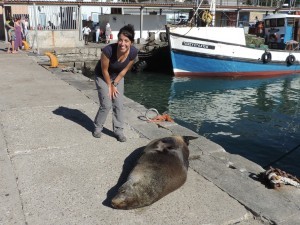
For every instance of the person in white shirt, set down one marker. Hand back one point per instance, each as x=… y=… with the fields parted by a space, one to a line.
x=97 y=28
x=86 y=32
x=107 y=33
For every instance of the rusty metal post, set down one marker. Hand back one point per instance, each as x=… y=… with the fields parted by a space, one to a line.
x=36 y=27
x=80 y=23
x=141 y=22
x=4 y=23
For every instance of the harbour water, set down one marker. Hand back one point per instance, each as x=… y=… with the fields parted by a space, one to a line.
x=258 y=119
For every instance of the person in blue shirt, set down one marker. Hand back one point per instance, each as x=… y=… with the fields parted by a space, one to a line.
x=116 y=60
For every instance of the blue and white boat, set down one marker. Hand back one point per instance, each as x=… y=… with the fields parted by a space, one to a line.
x=222 y=51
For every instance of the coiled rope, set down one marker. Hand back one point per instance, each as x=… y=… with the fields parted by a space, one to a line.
x=157 y=118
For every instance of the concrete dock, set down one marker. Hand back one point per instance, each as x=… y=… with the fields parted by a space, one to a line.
x=53 y=171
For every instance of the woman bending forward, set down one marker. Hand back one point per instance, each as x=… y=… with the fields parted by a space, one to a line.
x=116 y=60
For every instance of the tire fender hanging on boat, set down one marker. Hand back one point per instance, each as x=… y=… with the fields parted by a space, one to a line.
x=266 y=57
x=290 y=59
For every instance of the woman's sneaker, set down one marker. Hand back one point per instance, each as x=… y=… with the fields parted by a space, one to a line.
x=97 y=133
x=121 y=138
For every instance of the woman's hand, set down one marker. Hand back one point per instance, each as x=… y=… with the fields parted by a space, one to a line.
x=113 y=91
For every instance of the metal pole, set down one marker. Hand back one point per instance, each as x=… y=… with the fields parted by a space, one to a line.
x=213 y=12
x=4 y=23
x=237 y=18
x=80 y=23
x=141 y=22
x=36 y=27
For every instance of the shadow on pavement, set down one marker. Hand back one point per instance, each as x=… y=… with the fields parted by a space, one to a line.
x=79 y=117
x=129 y=164
x=76 y=116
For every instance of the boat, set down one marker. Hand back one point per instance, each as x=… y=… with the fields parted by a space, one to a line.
x=224 y=51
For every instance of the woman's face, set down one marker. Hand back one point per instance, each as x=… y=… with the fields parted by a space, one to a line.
x=123 y=43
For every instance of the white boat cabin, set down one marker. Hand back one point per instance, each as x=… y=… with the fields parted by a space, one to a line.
x=282 y=31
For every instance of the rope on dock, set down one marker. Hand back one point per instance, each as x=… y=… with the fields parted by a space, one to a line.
x=158 y=118
x=274 y=178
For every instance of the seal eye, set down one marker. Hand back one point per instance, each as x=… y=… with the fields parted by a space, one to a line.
x=168 y=148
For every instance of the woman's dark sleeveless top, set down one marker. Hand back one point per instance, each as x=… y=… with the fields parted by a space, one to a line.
x=115 y=67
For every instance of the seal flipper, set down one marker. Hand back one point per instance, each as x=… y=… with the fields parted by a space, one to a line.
x=188 y=138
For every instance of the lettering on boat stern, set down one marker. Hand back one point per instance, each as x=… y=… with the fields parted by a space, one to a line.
x=196 y=45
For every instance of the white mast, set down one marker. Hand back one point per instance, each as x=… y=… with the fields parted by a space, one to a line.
x=213 y=11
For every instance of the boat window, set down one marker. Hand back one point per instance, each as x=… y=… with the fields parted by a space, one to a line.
x=267 y=23
x=280 y=22
x=273 y=23
x=290 y=21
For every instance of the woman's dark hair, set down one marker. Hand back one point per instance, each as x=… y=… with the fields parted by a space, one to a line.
x=127 y=31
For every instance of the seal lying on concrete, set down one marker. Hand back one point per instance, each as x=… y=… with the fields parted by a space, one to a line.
x=161 y=169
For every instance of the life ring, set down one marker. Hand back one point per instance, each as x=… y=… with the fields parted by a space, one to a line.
x=206 y=17
x=290 y=59
x=266 y=57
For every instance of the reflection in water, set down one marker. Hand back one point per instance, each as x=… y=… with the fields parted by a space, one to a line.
x=149 y=89
x=258 y=119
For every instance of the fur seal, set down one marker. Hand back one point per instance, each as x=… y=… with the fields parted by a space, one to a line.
x=161 y=169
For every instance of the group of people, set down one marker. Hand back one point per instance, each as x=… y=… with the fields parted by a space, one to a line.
x=107 y=33
x=17 y=32
x=87 y=30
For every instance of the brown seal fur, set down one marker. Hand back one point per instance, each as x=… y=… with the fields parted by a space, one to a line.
x=161 y=169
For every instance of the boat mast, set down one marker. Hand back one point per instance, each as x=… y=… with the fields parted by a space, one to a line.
x=213 y=12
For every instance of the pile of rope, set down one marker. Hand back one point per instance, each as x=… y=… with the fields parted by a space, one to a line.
x=206 y=17
x=158 y=118
x=275 y=178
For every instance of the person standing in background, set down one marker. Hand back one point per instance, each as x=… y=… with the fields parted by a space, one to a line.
x=18 y=32
x=86 y=33
x=107 y=33
x=260 y=29
x=25 y=28
x=97 y=29
x=9 y=25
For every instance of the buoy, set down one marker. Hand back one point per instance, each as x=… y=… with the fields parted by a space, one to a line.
x=26 y=45
x=266 y=57
x=291 y=59
x=53 y=59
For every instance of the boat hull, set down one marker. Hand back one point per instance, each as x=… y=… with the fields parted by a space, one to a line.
x=193 y=56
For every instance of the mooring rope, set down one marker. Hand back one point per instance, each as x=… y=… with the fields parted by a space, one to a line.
x=281 y=157
x=293 y=149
